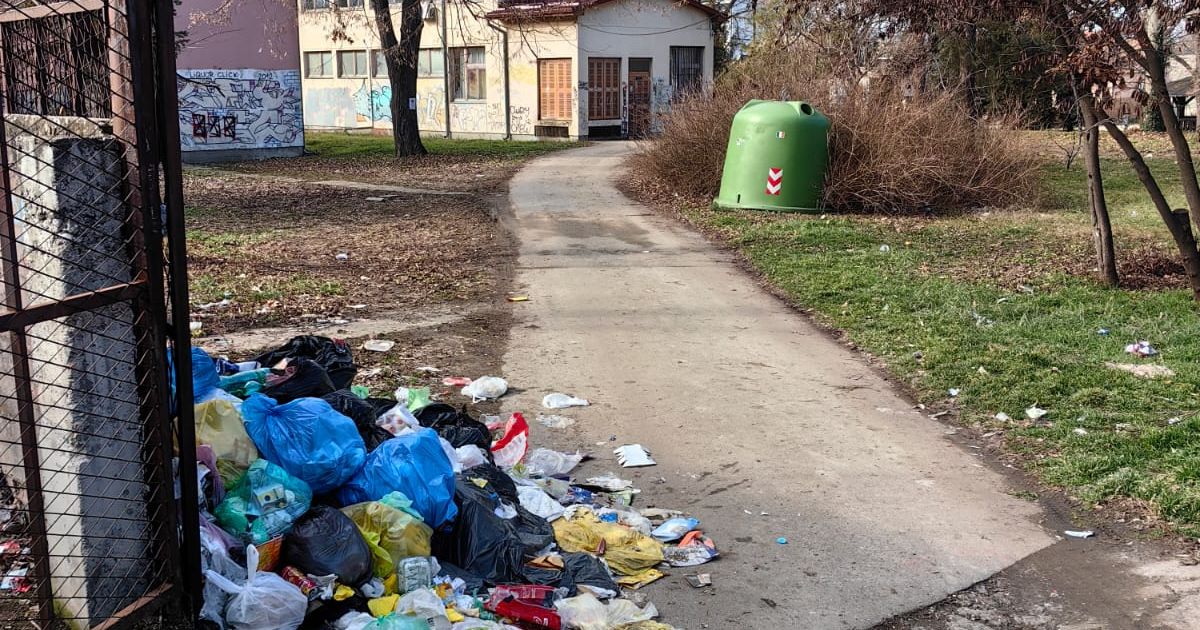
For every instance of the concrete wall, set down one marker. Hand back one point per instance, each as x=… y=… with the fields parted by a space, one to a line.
x=239 y=80
x=618 y=29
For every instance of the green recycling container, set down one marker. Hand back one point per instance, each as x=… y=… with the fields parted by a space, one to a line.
x=777 y=156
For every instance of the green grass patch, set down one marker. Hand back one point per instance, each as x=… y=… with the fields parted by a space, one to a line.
x=921 y=304
x=365 y=145
x=207 y=287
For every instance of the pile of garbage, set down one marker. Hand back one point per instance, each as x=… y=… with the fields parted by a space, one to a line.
x=325 y=507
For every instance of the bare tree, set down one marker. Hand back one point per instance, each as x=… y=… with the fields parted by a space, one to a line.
x=400 y=55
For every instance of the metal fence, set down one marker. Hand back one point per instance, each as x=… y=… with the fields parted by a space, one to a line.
x=97 y=462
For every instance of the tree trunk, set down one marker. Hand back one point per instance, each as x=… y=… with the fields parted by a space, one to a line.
x=1106 y=256
x=1176 y=221
x=400 y=57
x=1183 y=153
x=966 y=68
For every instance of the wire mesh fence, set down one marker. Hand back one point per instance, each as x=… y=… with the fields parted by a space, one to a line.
x=95 y=529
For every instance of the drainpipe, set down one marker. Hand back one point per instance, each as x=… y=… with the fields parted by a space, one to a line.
x=507 y=109
x=445 y=66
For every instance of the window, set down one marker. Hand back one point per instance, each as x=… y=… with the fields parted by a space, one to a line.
x=318 y=64
x=468 y=74
x=554 y=89
x=352 y=63
x=604 y=88
x=429 y=63
x=317 y=5
x=687 y=68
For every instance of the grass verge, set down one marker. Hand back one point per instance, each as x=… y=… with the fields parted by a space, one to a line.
x=1000 y=307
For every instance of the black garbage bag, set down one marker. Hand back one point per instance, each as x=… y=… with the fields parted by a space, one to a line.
x=456 y=426
x=381 y=405
x=331 y=354
x=498 y=481
x=474 y=583
x=588 y=570
x=362 y=413
x=487 y=545
x=324 y=541
x=325 y=616
x=302 y=378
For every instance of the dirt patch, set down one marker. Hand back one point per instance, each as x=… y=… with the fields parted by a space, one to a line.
x=265 y=253
x=441 y=172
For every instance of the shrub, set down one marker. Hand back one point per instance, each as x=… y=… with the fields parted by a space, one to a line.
x=888 y=153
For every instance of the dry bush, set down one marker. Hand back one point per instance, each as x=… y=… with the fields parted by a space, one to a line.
x=887 y=153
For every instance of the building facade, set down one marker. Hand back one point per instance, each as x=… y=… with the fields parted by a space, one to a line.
x=239 y=80
x=595 y=68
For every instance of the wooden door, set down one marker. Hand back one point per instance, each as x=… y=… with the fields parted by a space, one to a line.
x=639 y=97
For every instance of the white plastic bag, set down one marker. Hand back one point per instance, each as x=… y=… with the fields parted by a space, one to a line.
x=538 y=502
x=451 y=455
x=470 y=456
x=562 y=401
x=397 y=419
x=353 y=621
x=485 y=388
x=585 y=612
x=215 y=557
x=547 y=463
x=425 y=604
x=265 y=602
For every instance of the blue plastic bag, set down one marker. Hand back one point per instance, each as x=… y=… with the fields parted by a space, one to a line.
x=204 y=375
x=307 y=438
x=414 y=464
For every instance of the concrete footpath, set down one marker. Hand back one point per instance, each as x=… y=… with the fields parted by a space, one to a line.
x=762 y=426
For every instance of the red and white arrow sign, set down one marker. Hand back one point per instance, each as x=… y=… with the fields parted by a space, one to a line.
x=774 y=181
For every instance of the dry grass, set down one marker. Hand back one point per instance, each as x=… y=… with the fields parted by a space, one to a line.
x=887 y=153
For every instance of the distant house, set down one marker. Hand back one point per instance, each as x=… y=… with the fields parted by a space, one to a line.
x=239 y=80
x=521 y=70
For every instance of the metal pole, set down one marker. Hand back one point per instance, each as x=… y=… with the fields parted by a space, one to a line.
x=445 y=65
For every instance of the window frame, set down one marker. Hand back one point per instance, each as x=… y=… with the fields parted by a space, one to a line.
x=560 y=111
x=436 y=70
x=678 y=86
x=361 y=73
x=605 y=99
x=308 y=74
x=461 y=68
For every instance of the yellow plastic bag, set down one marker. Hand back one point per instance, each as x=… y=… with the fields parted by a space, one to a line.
x=219 y=425
x=626 y=550
x=391 y=533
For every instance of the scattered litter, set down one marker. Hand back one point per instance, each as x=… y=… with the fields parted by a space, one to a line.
x=357 y=307
x=1141 y=349
x=1103 y=332
x=212 y=305
x=608 y=482
x=562 y=401
x=342 y=256
x=781 y=540
x=700 y=580
x=16 y=580
x=518 y=298
x=633 y=456
x=885 y=248
x=1172 y=421
x=374 y=198
x=544 y=462
x=1080 y=431
x=428 y=369
x=1143 y=370
x=378 y=345
x=1086 y=533
x=555 y=422
x=695 y=549
x=485 y=388
x=456 y=381
x=1002 y=417
x=1035 y=413
x=953 y=391
x=195 y=327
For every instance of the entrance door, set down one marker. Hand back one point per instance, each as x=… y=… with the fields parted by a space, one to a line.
x=639 y=97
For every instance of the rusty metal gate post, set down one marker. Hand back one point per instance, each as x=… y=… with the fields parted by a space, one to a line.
x=95 y=375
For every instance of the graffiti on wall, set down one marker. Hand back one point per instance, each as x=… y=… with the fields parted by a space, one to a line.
x=239 y=109
x=522 y=122
x=430 y=112
x=372 y=103
x=477 y=117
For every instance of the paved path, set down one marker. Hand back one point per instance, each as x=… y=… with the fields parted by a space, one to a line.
x=762 y=426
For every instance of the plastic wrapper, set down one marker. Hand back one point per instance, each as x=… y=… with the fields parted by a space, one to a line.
x=585 y=612
x=264 y=601
x=413 y=464
x=396 y=621
x=307 y=438
x=219 y=425
x=214 y=556
x=263 y=503
x=333 y=355
x=548 y=463
x=510 y=449
x=424 y=604
x=674 y=529
x=391 y=533
x=485 y=388
x=326 y=542
x=538 y=502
